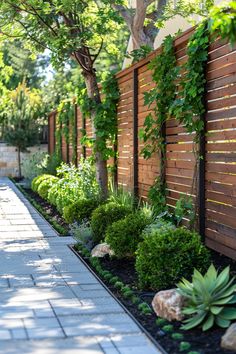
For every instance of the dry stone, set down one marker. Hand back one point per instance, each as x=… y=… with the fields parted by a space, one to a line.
x=228 y=341
x=168 y=304
x=102 y=250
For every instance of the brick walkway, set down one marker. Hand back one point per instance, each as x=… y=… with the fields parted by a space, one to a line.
x=49 y=301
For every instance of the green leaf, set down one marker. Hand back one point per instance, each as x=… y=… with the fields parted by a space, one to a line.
x=216 y=310
x=228 y=313
x=225 y=300
x=208 y=323
x=223 y=278
x=222 y=322
x=194 y=321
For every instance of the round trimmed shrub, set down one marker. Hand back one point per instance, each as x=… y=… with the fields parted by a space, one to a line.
x=80 y=210
x=46 y=185
x=104 y=216
x=53 y=194
x=38 y=180
x=124 y=235
x=166 y=255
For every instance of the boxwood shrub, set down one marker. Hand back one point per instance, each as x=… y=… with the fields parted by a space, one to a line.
x=166 y=255
x=80 y=210
x=104 y=216
x=38 y=180
x=124 y=235
x=46 y=185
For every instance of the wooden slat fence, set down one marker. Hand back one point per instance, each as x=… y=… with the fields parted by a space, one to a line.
x=218 y=187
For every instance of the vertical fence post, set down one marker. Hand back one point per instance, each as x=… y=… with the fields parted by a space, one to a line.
x=75 y=153
x=61 y=140
x=68 y=141
x=135 y=132
x=201 y=182
x=49 y=136
x=54 y=132
x=202 y=167
x=84 y=132
x=116 y=162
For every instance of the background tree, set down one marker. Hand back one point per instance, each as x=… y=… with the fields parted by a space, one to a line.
x=22 y=126
x=70 y=29
x=145 y=17
x=25 y=65
x=6 y=72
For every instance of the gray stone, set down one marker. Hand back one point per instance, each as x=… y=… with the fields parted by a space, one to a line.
x=102 y=250
x=228 y=341
x=168 y=304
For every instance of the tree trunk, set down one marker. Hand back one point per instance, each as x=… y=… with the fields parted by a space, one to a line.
x=101 y=164
x=19 y=162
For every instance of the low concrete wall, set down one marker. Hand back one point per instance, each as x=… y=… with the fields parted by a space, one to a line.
x=8 y=158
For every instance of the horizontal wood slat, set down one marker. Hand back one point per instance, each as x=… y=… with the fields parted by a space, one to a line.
x=181 y=149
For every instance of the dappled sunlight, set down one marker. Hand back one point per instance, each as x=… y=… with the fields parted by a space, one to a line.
x=47 y=293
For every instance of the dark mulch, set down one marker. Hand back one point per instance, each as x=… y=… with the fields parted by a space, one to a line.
x=203 y=343
x=48 y=208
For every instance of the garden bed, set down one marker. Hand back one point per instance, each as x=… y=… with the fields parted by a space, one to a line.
x=167 y=334
x=48 y=211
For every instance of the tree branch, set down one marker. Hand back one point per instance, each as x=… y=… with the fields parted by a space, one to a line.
x=97 y=54
x=33 y=38
x=124 y=12
x=35 y=13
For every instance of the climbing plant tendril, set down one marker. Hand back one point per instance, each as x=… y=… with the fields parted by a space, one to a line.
x=105 y=121
x=189 y=106
x=65 y=120
x=181 y=93
x=165 y=73
x=163 y=94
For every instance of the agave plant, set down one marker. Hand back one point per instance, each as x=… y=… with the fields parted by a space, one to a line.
x=208 y=298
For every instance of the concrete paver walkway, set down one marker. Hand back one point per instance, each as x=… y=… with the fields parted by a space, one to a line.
x=49 y=301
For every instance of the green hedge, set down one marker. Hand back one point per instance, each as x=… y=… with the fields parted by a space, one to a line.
x=104 y=216
x=166 y=255
x=124 y=235
x=80 y=210
x=38 y=180
x=46 y=185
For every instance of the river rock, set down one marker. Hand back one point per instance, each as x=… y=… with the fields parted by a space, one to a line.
x=228 y=341
x=168 y=304
x=102 y=250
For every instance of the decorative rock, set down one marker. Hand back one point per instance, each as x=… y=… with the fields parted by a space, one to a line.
x=102 y=250
x=168 y=304
x=228 y=341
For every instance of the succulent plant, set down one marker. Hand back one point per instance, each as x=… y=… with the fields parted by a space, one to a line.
x=208 y=299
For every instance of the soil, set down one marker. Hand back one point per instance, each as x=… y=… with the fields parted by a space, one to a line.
x=201 y=342
x=48 y=208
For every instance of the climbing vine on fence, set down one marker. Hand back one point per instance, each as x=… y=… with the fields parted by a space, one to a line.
x=105 y=120
x=185 y=102
x=165 y=73
x=65 y=120
x=223 y=21
x=189 y=106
